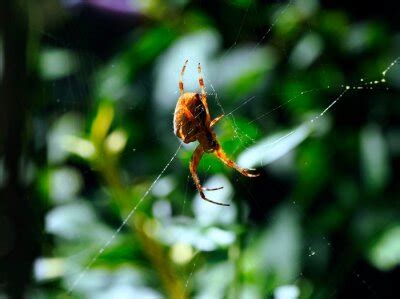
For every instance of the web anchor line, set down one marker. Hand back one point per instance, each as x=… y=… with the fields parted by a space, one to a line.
x=348 y=88
x=127 y=218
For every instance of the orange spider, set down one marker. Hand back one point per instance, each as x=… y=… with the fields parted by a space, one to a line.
x=192 y=121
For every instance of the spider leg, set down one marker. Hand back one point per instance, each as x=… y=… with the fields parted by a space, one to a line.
x=212 y=189
x=203 y=93
x=215 y=120
x=194 y=162
x=228 y=162
x=181 y=90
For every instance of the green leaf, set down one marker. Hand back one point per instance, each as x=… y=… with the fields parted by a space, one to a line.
x=274 y=147
x=56 y=63
x=374 y=158
x=276 y=251
x=385 y=254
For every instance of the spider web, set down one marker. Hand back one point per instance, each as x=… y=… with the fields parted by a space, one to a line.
x=344 y=90
x=244 y=140
x=361 y=84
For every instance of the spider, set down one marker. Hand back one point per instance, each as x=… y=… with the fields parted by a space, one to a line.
x=192 y=121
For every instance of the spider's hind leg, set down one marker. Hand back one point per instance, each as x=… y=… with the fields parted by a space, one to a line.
x=215 y=120
x=228 y=162
x=194 y=162
x=212 y=189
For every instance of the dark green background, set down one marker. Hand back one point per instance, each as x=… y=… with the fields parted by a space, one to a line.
x=87 y=99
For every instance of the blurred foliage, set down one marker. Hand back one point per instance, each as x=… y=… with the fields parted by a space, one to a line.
x=321 y=221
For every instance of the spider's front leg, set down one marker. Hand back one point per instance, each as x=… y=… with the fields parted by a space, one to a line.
x=194 y=163
x=203 y=93
x=181 y=89
x=228 y=162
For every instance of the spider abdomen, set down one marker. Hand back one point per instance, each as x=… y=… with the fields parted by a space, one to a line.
x=189 y=117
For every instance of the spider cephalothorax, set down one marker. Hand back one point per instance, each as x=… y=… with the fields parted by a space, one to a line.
x=192 y=121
